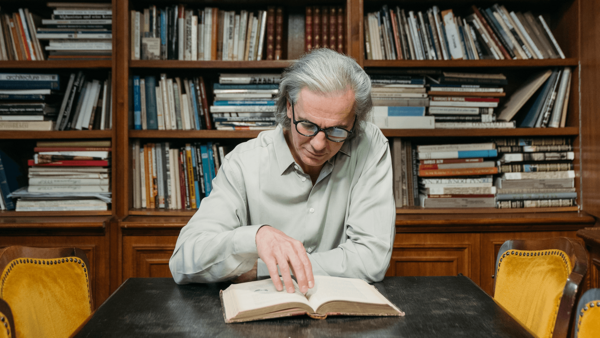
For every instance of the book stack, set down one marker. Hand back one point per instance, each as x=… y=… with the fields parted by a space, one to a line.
x=78 y=31
x=22 y=105
x=487 y=33
x=178 y=33
x=542 y=99
x=174 y=177
x=245 y=101
x=457 y=175
x=170 y=103
x=535 y=173
x=324 y=28
x=399 y=102
x=67 y=176
x=466 y=100
x=18 y=39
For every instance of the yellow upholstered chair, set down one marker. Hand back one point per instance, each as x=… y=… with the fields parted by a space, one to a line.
x=588 y=315
x=7 y=324
x=537 y=280
x=48 y=289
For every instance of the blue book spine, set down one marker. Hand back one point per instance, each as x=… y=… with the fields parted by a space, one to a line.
x=211 y=162
x=245 y=86
x=537 y=196
x=151 y=114
x=245 y=103
x=163 y=31
x=195 y=171
x=477 y=153
x=5 y=189
x=406 y=111
x=206 y=170
x=137 y=104
x=195 y=105
x=534 y=111
x=25 y=97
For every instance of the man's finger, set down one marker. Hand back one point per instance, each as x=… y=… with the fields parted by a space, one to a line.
x=272 y=266
x=306 y=265
x=284 y=268
x=299 y=272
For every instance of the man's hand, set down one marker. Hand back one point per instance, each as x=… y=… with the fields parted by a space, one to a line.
x=277 y=249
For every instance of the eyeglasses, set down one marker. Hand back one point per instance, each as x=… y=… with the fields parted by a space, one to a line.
x=309 y=129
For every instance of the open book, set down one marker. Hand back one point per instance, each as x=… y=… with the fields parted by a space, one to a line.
x=330 y=296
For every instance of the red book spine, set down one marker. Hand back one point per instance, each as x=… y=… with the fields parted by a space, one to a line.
x=308 y=30
x=325 y=27
x=316 y=27
x=270 y=33
x=491 y=32
x=451 y=160
x=341 y=23
x=458 y=172
x=43 y=149
x=333 y=28
x=22 y=35
x=74 y=163
x=462 y=196
x=396 y=35
x=207 y=116
x=278 y=33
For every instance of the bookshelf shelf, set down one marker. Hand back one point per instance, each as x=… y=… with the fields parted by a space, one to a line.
x=175 y=64
x=67 y=134
x=479 y=211
x=196 y=134
x=42 y=220
x=161 y=212
x=75 y=64
x=469 y=63
x=568 y=131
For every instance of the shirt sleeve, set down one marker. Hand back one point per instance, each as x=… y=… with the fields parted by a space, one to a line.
x=370 y=224
x=217 y=243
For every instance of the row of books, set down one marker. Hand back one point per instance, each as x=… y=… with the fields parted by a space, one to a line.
x=74 y=31
x=170 y=103
x=505 y=173
x=324 y=28
x=166 y=176
x=32 y=102
x=178 y=33
x=455 y=100
x=487 y=33
x=63 y=176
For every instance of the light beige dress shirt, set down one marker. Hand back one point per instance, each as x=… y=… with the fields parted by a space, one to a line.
x=345 y=220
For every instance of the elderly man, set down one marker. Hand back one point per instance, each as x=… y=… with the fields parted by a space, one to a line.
x=312 y=197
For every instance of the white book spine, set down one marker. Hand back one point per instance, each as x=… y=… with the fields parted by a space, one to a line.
x=185 y=112
x=436 y=17
x=172 y=112
x=261 y=40
x=166 y=103
x=415 y=36
x=102 y=154
x=242 y=35
x=539 y=175
x=253 y=39
x=452 y=34
x=475 y=125
x=181 y=38
x=243 y=109
x=549 y=33
x=195 y=35
x=236 y=37
x=225 y=56
x=160 y=119
x=58 y=181
x=562 y=93
x=404 y=122
x=68 y=188
x=137 y=36
x=527 y=37
x=456 y=147
x=207 y=33
x=142 y=183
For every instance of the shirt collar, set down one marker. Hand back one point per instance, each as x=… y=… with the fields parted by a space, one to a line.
x=284 y=155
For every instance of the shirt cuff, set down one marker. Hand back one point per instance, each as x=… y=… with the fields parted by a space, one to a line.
x=244 y=239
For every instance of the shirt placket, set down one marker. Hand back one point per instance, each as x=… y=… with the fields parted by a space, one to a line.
x=314 y=218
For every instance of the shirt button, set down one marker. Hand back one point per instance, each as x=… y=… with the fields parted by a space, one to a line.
x=311 y=210
x=303 y=179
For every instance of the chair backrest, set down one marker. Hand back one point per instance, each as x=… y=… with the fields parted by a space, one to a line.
x=7 y=323
x=48 y=289
x=588 y=315
x=537 y=280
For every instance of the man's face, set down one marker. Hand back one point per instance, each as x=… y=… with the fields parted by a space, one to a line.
x=331 y=110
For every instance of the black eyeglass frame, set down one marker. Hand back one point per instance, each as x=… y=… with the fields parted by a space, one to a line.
x=319 y=129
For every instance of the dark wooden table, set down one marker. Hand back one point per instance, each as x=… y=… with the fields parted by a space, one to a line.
x=434 y=306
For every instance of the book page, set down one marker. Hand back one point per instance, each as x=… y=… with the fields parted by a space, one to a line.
x=261 y=294
x=342 y=289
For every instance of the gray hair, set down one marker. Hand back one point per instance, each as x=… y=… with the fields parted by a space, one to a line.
x=325 y=71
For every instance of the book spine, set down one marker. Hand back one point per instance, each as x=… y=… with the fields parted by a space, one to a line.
x=341 y=37
x=457 y=172
x=316 y=27
x=279 y=33
x=137 y=103
x=205 y=169
x=491 y=32
x=207 y=117
x=195 y=177
x=270 y=39
x=541 y=167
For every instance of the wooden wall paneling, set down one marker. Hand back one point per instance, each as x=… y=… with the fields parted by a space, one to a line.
x=565 y=27
x=591 y=237
x=491 y=243
x=435 y=255
x=122 y=55
x=147 y=254
x=590 y=101
x=93 y=242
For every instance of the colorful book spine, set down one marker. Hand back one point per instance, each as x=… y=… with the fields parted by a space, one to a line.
x=457 y=172
x=137 y=104
x=458 y=154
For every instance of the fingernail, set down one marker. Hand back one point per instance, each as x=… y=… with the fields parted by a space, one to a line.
x=310 y=284
x=291 y=290
x=304 y=289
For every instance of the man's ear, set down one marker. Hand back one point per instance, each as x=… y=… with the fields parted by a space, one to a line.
x=289 y=109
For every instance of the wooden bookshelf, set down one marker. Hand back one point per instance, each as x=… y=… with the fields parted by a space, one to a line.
x=56 y=64
x=470 y=63
x=176 y=64
x=54 y=135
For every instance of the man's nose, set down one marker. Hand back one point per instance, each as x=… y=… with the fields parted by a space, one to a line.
x=319 y=141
